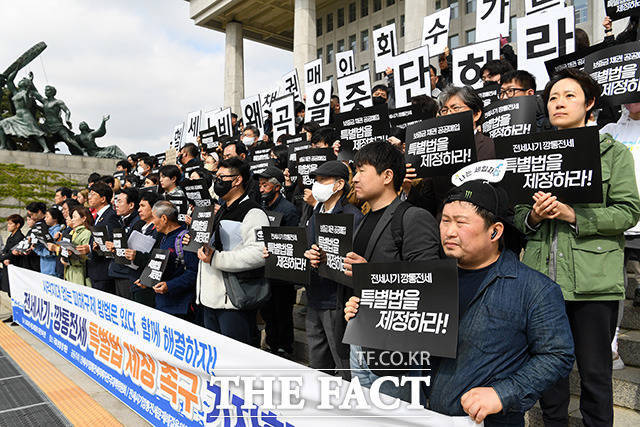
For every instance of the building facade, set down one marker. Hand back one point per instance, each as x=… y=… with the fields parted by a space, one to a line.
x=320 y=28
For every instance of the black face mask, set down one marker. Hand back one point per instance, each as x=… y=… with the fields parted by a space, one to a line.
x=378 y=100
x=221 y=188
x=268 y=197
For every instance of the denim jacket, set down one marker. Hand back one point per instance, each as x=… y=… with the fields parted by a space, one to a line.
x=514 y=337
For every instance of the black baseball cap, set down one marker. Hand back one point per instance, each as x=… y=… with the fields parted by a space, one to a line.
x=333 y=168
x=484 y=195
x=272 y=172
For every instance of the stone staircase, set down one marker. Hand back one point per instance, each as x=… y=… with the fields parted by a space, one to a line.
x=626 y=382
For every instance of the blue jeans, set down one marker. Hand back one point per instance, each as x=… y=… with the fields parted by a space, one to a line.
x=360 y=370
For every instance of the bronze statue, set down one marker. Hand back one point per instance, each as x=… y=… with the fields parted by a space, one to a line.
x=23 y=124
x=53 y=125
x=87 y=140
x=18 y=107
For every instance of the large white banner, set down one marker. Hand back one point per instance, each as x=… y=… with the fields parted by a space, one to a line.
x=173 y=372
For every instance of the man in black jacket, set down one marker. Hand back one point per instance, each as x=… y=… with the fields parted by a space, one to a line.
x=189 y=159
x=127 y=210
x=325 y=298
x=278 y=312
x=391 y=231
x=100 y=195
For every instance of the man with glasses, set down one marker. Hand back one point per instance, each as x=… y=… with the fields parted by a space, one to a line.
x=523 y=83
x=233 y=249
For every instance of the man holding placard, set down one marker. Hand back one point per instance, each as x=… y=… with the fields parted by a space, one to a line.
x=324 y=324
x=514 y=339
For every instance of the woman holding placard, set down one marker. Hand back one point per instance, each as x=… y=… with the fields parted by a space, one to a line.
x=581 y=247
x=75 y=269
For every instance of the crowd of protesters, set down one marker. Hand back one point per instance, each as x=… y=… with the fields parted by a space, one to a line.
x=540 y=284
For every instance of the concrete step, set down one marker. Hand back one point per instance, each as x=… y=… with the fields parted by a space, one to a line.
x=631 y=318
x=629 y=347
x=622 y=417
x=626 y=387
x=632 y=284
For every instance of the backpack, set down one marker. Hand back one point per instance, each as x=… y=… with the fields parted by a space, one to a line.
x=397 y=231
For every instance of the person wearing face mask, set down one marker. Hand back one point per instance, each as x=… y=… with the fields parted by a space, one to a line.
x=251 y=140
x=380 y=94
x=232 y=249
x=189 y=158
x=300 y=110
x=145 y=164
x=278 y=312
x=324 y=322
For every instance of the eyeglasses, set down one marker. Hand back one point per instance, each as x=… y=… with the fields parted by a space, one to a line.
x=511 y=92
x=219 y=177
x=450 y=110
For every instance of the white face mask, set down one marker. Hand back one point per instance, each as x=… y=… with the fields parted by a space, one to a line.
x=322 y=192
x=248 y=141
x=140 y=170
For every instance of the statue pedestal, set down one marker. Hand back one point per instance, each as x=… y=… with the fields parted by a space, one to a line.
x=74 y=168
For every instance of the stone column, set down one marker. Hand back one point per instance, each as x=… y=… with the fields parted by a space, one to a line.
x=304 y=36
x=233 y=67
x=414 y=13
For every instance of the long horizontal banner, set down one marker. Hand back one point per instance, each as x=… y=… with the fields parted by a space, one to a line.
x=172 y=372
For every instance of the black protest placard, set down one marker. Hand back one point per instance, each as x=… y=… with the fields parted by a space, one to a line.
x=293 y=139
x=200 y=229
x=286 y=261
x=405 y=116
x=308 y=161
x=23 y=245
x=260 y=155
x=101 y=235
x=160 y=158
x=441 y=146
x=41 y=232
x=572 y=60
x=275 y=219
x=152 y=273
x=489 y=93
x=334 y=234
x=406 y=306
x=618 y=9
x=67 y=247
x=360 y=127
x=565 y=163
x=119 y=175
x=293 y=150
x=259 y=166
x=197 y=191
x=181 y=203
x=616 y=70
x=510 y=117
x=209 y=139
x=119 y=237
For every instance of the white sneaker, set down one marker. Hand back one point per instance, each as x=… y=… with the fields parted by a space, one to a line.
x=617 y=362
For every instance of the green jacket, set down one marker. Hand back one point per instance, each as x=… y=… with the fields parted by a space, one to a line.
x=587 y=260
x=76 y=271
